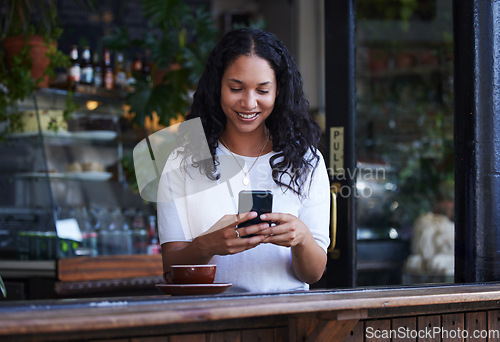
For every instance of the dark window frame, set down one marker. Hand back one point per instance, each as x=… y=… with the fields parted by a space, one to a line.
x=476 y=124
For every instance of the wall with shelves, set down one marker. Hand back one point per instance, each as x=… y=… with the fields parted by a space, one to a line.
x=73 y=175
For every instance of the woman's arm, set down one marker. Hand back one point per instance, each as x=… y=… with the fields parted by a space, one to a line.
x=221 y=239
x=308 y=258
x=307 y=233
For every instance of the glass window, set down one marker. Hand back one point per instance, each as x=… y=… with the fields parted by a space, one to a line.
x=404 y=146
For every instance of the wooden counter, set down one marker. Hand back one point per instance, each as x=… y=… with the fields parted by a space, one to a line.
x=320 y=315
x=102 y=276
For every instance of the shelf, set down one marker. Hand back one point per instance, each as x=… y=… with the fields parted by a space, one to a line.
x=80 y=135
x=74 y=176
x=104 y=103
x=28 y=268
x=87 y=92
x=46 y=171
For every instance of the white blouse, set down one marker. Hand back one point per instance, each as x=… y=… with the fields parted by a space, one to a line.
x=189 y=204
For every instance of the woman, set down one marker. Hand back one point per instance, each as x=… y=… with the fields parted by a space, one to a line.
x=255 y=117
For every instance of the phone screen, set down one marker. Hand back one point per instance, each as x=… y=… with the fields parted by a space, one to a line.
x=260 y=201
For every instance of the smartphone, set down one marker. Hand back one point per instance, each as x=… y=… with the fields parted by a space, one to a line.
x=260 y=201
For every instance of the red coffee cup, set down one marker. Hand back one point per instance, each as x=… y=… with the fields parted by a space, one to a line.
x=190 y=274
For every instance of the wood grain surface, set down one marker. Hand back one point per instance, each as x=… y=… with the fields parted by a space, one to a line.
x=104 y=314
x=109 y=267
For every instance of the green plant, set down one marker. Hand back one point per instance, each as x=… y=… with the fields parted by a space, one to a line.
x=17 y=84
x=178 y=42
x=27 y=18
x=20 y=14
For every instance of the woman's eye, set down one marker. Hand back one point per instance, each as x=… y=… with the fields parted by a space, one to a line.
x=235 y=89
x=263 y=91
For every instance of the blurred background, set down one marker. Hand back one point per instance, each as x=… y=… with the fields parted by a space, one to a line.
x=124 y=69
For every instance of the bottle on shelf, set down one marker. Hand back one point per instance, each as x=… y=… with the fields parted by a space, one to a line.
x=74 y=72
x=89 y=234
x=107 y=70
x=154 y=246
x=135 y=71
x=97 y=71
x=126 y=236
x=129 y=79
x=103 y=227
x=137 y=63
x=87 y=69
x=121 y=237
x=120 y=75
x=140 y=234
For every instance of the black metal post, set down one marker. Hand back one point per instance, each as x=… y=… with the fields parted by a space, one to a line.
x=340 y=113
x=477 y=139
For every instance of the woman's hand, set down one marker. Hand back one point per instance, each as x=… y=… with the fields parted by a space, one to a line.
x=308 y=258
x=288 y=231
x=220 y=239
x=223 y=238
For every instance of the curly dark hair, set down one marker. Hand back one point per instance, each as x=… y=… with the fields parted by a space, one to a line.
x=292 y=129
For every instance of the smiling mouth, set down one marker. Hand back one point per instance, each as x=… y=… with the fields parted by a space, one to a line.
x=247 y=116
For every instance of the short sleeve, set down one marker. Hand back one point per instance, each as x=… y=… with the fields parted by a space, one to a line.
x=171 y=206
x=315 y=211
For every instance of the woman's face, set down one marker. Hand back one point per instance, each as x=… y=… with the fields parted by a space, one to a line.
x=248 y=93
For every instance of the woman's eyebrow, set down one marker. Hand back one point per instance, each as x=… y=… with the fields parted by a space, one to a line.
x=241 y=82
x=235 y=80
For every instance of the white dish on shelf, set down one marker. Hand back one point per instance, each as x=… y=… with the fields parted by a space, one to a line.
x=94 y=176
x=94 y=135
x=88 y=175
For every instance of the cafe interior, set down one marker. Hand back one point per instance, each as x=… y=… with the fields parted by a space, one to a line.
x=404 y=92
